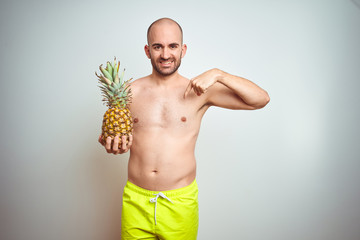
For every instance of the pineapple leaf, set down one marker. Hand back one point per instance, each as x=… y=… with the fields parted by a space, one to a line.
x=122 y=76
x=111 y=88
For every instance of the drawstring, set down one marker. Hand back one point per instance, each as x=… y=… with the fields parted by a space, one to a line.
x=154 y=200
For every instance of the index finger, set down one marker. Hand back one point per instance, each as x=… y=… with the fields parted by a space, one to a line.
x=188 y=89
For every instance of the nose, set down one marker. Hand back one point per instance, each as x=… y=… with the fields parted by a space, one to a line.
x=165 y=53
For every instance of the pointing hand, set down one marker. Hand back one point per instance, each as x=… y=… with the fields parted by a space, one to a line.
x=201 y=83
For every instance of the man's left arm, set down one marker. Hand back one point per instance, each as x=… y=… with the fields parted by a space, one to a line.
x=228 y=91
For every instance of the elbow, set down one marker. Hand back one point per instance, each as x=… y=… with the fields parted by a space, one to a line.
x=266 y=99
x=263 y=101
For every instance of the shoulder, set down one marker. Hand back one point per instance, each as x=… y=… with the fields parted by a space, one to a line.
x=184 y=81
x=139 y=83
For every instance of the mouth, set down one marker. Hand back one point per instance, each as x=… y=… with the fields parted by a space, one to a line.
x=166 y=63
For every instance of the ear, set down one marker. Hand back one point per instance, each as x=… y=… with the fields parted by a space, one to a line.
x=147 y=51
x=183 y=50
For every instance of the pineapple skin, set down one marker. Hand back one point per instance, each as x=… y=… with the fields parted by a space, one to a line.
x=117 y=122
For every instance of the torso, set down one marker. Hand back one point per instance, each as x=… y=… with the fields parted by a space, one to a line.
x=166 y=127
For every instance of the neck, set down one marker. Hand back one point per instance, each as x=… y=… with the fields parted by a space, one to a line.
x=164 y=80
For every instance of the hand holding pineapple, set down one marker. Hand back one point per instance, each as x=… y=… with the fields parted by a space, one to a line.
x=113 y=146
x=117 y=124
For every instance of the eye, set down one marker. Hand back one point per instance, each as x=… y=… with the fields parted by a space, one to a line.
x=173 y=46
x=156 y=47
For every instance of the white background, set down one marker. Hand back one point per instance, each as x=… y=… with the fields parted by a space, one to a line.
x=288 y=171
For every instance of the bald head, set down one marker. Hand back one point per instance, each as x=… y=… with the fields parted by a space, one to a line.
x=163 y=22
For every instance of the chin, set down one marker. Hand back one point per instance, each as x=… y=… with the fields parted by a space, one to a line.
x=165 y=72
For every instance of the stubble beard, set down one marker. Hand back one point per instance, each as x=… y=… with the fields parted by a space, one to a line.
x=167 y=71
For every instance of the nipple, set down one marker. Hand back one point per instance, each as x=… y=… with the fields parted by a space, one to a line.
x=136 y=120
x=183 y=119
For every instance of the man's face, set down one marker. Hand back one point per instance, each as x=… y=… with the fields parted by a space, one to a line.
x=165 y=48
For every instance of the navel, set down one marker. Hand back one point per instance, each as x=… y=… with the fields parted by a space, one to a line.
x=183 y=119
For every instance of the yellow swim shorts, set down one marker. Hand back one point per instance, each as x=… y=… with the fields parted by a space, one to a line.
x=170 y=215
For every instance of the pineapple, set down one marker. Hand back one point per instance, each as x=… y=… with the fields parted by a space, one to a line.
x=117 y=120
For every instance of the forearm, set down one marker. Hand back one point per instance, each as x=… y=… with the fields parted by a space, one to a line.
x=248 y=91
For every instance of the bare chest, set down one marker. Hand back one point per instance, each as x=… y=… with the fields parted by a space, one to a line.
x=169 y=111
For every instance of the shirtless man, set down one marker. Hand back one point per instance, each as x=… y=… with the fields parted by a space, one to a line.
x=167 y=109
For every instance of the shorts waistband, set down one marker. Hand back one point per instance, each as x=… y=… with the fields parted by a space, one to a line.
x=169 y=193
